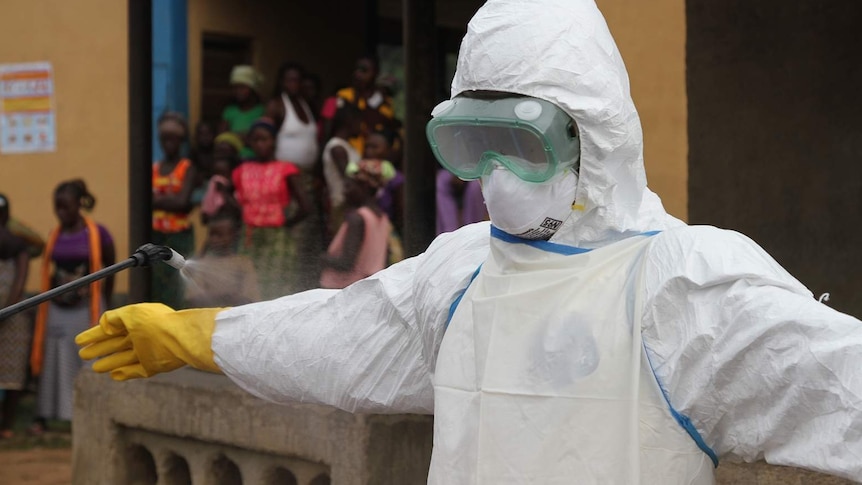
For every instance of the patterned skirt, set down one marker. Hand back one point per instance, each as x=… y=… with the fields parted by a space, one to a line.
x=16 y=333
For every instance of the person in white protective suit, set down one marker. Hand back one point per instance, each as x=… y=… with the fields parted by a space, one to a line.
x=584 y=336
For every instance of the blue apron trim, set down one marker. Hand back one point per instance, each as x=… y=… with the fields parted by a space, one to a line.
x=454 y=305
x=538 y=244
x=547 y=245
x=682 y=419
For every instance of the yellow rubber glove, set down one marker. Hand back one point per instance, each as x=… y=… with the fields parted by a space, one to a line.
x=148 y=338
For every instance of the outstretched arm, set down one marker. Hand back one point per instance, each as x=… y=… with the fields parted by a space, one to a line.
x=762 y=369
x=370 y=347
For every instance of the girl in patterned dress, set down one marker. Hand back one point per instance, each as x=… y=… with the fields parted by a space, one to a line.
x=265 y=188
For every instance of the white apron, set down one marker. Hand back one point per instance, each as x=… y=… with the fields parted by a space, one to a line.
x=542 y=377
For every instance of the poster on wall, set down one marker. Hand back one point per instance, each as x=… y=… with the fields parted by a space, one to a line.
x=27 y=117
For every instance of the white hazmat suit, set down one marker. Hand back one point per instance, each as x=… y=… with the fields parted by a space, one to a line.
x=629 y=348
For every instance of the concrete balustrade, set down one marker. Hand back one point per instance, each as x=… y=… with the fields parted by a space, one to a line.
x=191 y=427
x=147 y=458
x=195 y=427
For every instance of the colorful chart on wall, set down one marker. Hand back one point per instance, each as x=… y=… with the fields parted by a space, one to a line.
x=27 y=115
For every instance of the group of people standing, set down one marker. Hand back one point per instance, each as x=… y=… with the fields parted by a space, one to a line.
x=295 y=192
x=314 y=185
x=76 y=247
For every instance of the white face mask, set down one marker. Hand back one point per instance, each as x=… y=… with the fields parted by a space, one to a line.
x=529 y=210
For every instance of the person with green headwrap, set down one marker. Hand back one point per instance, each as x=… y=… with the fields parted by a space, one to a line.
x=238 y=117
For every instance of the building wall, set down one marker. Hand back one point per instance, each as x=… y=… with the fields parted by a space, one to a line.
x=86 y=43
x=307 y=32
x=651 y=37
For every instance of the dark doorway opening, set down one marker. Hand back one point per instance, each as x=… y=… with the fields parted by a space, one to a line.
x=220 y=53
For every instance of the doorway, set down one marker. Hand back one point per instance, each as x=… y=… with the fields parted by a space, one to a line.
x=220 y=53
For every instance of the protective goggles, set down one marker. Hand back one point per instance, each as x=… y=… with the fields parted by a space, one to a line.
x=531 y=137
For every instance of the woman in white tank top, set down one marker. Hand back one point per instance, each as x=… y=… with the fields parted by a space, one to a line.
x=296 y=142
x=297 y=134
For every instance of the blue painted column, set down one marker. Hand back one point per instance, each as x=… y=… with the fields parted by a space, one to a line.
x=170 y=62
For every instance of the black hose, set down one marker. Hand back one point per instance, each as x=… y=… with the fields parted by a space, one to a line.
x=143 y=256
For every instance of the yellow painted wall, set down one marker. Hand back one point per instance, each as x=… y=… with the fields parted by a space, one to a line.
x=651 y=38
x=86 y=42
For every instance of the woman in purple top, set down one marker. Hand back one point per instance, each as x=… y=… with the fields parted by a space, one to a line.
x=71 y=253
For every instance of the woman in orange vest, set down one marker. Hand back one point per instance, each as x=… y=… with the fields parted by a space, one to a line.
x=173 y=182
x=76 y=248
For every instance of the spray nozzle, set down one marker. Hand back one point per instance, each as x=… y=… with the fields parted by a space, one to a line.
x=150 y=253
x=145 y=255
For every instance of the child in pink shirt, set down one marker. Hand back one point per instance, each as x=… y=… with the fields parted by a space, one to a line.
x=360 y=246
x=272 y=202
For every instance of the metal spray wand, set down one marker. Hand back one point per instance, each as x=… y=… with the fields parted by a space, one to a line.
x=145 y=255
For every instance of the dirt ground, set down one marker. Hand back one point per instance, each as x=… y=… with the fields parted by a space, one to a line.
x=36 y=460
x=36 y=466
